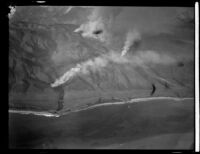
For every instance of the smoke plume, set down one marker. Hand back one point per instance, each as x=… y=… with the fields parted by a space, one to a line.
x=12 y=11
x=101 y=19
x=92 y=64
x=131 y=37
x=141 y=58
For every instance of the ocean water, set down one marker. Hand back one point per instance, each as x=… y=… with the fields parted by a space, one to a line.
x=102 y=126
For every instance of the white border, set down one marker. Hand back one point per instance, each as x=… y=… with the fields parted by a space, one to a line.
x=196 y=77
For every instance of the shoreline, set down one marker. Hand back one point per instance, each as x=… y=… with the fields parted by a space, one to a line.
x=65 y=112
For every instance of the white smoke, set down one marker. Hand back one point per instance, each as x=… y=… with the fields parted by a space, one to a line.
x=92 y=64
x=83 y=68
x=131 y=37
x=65 y=77
x=95 y=22
x=12 y=11
x=68 y=9
x=101 y=18
x=140 y=58
x=90 y=27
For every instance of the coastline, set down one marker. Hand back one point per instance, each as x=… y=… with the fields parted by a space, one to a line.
x=68 y=111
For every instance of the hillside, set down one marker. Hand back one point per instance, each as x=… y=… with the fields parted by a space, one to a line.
x=39 y=54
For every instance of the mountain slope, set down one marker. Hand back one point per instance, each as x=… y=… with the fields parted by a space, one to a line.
x=39 y=54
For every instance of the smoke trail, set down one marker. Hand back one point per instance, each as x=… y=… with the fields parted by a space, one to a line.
x=141 y=58
x=68 y=9
x=131 y=38
x=83 y=68
x=65 y=77
x=92 y=64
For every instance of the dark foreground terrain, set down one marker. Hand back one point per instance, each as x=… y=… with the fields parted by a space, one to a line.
x=158 y=124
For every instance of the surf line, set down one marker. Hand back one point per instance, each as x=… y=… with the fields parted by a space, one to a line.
x=38 y=113
x=135 y=100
